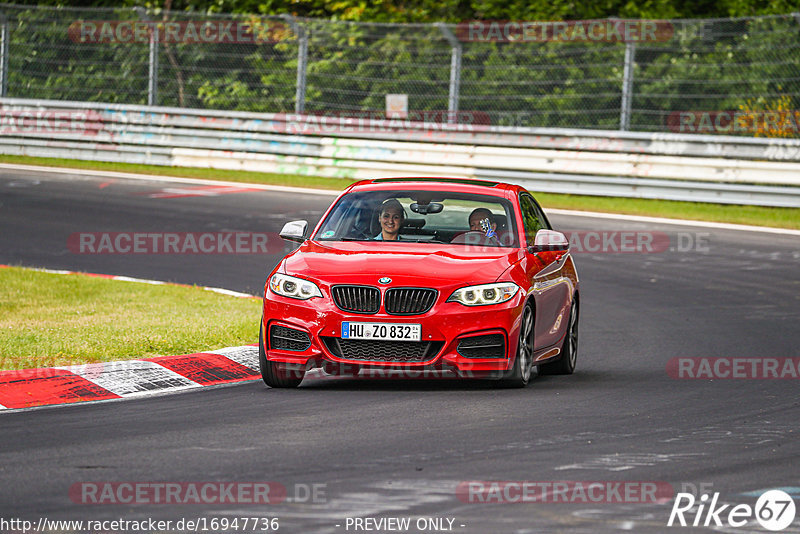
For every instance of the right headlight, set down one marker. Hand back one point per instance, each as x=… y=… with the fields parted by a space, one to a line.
x=293 y=287
x=484 y=294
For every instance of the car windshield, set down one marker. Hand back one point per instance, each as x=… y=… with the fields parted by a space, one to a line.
x=422 y=217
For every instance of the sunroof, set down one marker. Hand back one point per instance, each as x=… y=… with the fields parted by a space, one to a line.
x=465 y=181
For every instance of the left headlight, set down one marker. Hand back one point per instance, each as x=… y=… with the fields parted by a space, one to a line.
x=293 y=287
x=484 y=294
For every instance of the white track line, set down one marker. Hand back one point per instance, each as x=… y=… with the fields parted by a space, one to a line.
x=219 y=290
x=230 y=293
x=598 y=215
x=173 y=179
x=683 y=222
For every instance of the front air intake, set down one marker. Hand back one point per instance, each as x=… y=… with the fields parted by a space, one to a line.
x=283 y=338
x=382 y=351
x=486 y=346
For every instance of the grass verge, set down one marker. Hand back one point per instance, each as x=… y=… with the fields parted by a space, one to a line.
x=752 y=215
x=50 y=319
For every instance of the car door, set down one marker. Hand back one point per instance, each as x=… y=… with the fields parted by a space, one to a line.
x=551 y=289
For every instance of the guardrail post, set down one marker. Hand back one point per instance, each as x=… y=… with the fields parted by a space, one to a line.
x=5 y=37
x=302 y=61
x=627 y=87
x=152 y=60
x=455 y=72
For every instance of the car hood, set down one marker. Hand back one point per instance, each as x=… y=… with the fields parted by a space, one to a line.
x=405 y=263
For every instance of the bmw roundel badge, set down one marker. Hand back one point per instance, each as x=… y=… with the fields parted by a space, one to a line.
x=385 y=280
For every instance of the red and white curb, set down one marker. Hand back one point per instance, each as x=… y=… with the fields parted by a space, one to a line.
x=30 y=388
x=130 y=378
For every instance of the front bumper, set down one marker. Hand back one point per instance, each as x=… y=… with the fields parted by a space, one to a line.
x=454 y=336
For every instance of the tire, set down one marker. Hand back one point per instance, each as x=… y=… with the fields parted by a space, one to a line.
x=523 y=363
x=565 y=365
x=271 y=373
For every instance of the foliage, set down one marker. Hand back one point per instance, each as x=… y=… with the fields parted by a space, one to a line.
x=699 y=65
x=458 y=10
x=770 y=117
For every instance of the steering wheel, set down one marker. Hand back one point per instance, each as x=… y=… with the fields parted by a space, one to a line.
x=474 y=237
x=360 y=234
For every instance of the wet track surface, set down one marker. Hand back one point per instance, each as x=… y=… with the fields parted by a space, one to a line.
x=401 y=448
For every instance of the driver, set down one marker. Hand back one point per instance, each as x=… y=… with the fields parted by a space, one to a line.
x=391 y=219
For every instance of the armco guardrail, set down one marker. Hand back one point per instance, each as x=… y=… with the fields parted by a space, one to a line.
x=667 y=166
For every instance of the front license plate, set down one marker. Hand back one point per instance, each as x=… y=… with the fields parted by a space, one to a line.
x=382 y=331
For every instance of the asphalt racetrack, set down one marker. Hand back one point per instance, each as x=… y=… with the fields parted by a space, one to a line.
x=387 y=448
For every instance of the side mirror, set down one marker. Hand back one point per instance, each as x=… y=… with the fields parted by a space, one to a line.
x=294 y=231
x=549 y=240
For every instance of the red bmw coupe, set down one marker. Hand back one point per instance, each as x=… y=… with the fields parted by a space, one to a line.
x=421 y=274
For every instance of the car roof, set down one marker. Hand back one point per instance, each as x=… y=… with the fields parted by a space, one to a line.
x=435 y=183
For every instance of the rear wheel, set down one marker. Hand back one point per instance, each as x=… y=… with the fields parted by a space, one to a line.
x=565 y=365
x=523 y=363
x=273 y=373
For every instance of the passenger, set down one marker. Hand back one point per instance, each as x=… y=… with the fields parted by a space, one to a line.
x=391 y=219
x=478 y=215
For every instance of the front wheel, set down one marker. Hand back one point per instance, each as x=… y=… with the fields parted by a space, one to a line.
x=273 y=373
x=565 y=365
x=523 y=363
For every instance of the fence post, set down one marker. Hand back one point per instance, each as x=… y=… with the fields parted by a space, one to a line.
x=152 y=60
x=302 y=60
x=152 y=70
x=627 y=87
x=5 y=37
x=455 y=72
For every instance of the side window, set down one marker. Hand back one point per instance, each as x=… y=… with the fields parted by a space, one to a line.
x=531 y=217
x=540 y=214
